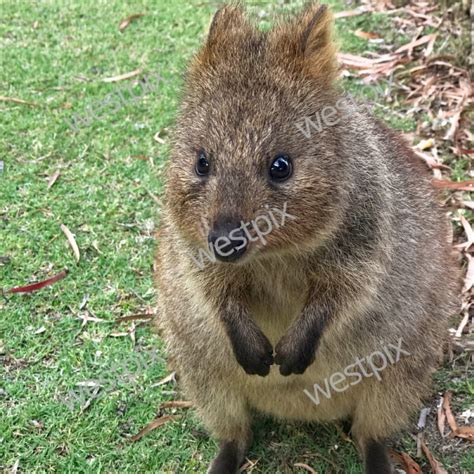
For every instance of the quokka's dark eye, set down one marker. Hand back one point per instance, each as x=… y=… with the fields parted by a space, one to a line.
x=281 y=168
x=202 y=164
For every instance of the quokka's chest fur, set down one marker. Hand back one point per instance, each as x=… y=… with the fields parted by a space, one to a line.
x=276 y=296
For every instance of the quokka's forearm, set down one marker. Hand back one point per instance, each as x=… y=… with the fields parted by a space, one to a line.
x=251 y=347
x=296 y=350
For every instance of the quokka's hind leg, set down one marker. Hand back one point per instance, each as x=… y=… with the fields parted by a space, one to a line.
x=227 y=418
x=375 y=419
x=384 y=407
x=370 y=440
x=229 y=458
x=376 y=458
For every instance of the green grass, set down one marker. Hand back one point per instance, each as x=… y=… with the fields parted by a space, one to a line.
x=54 y=54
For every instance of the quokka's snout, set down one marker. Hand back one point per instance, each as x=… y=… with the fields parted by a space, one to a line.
x=323 y=230
x=228 y=239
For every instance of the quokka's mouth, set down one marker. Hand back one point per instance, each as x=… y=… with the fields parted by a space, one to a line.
x=230 y=255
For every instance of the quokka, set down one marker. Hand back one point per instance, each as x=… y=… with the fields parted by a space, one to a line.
x=364 y=263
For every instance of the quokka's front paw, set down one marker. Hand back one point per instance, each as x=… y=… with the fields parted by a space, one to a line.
x=293 y=355
x=255 y=354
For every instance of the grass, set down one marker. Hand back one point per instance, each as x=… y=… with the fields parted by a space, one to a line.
x=54 y=54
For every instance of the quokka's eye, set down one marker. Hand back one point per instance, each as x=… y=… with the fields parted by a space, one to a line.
x=281 y=168
x=202 y=164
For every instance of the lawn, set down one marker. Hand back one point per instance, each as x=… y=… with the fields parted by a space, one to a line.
x=89 y=154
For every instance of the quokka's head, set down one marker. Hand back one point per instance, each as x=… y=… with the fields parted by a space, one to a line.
x=239 y=157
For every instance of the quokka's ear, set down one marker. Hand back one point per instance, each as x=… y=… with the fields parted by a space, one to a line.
x=306 y=43
x=229 y=28
x=230 y=18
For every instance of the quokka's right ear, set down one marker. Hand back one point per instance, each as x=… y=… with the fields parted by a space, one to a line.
x=227 y=19
x=228 y=25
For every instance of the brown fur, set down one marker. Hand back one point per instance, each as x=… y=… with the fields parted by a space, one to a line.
x=365 y=262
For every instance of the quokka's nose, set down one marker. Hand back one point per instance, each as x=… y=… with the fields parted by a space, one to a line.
x=228 y=240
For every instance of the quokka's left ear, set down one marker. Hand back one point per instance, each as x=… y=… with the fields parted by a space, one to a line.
x=306 y=43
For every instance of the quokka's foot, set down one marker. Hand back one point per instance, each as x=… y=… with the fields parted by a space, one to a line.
x=228 y=460
x=377 y=460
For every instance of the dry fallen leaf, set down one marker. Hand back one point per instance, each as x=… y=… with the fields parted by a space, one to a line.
x=467 y=185
x=410 y=466
x=469 y=279
x=441 y=418
x=154 y=197
x=462 y=324
x=449 y=414
x=429 y=49
x=119 y=334
x=430 y=160
x=124 y=76
x=17 y=101
x=434 y=463
x=349 y=13
x=132 y=333
x=15 y=467
x=157 y=138
x=425 y=144
x=248 y=466
x=469 y=233
x=359 y=62
x=87 y=316
x=156 y=423
x=371 y=69
x=88 y=383
x=305 y=466
x=366 y=34
x=125 y=22
x=72 y=242
x=466 y=432
x=417 y=42
x=39 y=285
x=135 y=317
x=37 y=424
x=176 y=404
x=90 y=399
x=456 y=117
x=52 y=179
x=169 y=378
